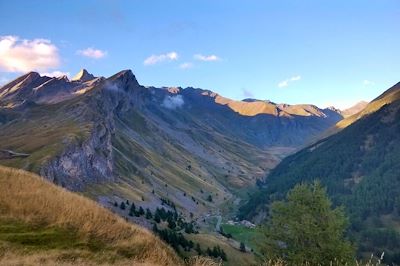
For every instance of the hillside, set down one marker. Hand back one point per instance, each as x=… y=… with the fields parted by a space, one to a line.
x=360 y=167
x=43 y=224
x=112 y=138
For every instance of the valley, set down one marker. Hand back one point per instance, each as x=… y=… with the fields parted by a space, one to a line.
x=189 y=151
x=199 y=133
x=195 y=167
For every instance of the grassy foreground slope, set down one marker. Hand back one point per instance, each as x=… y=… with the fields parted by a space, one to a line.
x=41 y=223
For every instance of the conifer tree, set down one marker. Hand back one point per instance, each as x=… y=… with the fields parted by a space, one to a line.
x=305 y=229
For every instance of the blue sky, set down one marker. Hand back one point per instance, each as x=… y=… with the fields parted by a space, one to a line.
x=321 y=52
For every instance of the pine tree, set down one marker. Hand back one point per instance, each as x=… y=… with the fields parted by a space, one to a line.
x=141 y=211
x=198 y=249
x=155 y=228
x=133 y=207
x=223 y=255
x=157 y=218
x=209 y=198
x=171 y=223
x=122 y=206
x=305 y=229
x=208 y=252
x=148 y=214
x=242 y=247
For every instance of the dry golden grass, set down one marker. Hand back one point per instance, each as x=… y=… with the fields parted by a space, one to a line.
x=371 y=262
x=201 y=261
x=53 y=258
x=28 y=198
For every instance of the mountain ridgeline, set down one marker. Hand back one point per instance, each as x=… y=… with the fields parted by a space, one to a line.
x=360 y=167
x=112 y=136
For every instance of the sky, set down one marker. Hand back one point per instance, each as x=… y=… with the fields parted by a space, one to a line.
x=335 y=52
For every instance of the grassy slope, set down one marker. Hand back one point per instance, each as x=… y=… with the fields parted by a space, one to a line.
x=43 y=131
x=41 y=223
x=249 y=236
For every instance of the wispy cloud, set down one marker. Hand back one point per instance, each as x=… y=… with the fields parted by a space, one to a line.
x=186 y=65
x=206 y=58
x=56 y=73
x=173 y=102
x=295 y=78
x=247 y=93
x=286 y=82
x=155 y=59
x=367 y=82
x=283 y=84
x=21 y=55
x=92 y=53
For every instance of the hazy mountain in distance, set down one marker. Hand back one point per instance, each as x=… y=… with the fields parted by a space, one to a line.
x=358 y=107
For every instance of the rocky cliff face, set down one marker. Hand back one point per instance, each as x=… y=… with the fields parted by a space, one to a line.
x=91 y=161
x=82 y=164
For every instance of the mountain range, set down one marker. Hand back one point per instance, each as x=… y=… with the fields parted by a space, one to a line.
x=113 y=138
x=202 y=155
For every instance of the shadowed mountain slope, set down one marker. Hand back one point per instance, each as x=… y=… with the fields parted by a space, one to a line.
x=360 y=167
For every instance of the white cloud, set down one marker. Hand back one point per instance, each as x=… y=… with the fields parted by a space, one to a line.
x=206 y=58
x=154 y=59
x=92 y=53
x=295 y=78
x=286 y=82
x=283 y=84
x=368 y=82
x=173 y=102
x=21 y=55
x=186 y=65
x=56 y=73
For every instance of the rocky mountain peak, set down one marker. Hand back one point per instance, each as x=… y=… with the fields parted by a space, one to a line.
x=124 y=79
x=83 y=76
x=333 y=108
x=19 y=89
x=24 y=79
